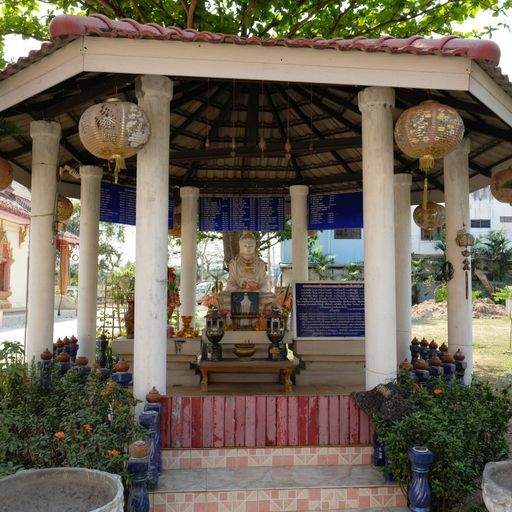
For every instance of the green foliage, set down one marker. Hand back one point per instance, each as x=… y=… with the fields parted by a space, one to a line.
x=493 y=254
x=441 y=293
x=8 y=128
x=423 y=271
x=464 y=427
x=502 y=294
x=51 y=421
x=320 y=261
x=284 y=18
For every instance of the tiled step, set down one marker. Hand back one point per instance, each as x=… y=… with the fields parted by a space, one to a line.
x=258 y=457
x=272 y=489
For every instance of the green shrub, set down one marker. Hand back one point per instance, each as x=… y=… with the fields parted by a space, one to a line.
x=464 y=427
x=51 y=421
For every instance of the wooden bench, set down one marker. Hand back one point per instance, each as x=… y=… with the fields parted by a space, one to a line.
x=285 y=369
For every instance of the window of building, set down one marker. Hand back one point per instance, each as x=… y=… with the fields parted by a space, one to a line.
x=505 y=219
x=431 y=234
x=480 y=223
x=347 y=234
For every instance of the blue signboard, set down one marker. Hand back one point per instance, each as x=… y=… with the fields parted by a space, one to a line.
x=335 y=211
x=251 y=213
x=118 y=204
x=328 y=310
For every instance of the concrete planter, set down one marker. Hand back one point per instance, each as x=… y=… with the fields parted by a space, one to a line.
x=61 y=490
x=497 y=486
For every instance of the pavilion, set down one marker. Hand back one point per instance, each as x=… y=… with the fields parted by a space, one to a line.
x=210 y=98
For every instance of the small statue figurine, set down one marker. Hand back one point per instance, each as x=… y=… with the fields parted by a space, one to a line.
x=247 y=273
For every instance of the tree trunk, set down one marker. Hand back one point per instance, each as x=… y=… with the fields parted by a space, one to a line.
x=230 y=240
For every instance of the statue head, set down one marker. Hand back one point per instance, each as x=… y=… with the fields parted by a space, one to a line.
x=247 y=244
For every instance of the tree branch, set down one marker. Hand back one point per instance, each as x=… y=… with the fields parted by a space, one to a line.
x=337 y=22
x=137 y=9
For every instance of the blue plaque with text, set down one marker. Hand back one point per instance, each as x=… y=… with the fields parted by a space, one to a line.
x=118 y=205
x=335 y=211
x=328 y=310
x=250 y=213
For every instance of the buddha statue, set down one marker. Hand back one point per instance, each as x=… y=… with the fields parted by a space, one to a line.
x=247 y=273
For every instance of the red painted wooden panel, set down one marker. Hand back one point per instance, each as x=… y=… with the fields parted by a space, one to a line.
x=303 y=420
x=165 y=423
x=207 y=421
x=323 y=420
x=176 y=422
x=229 y=421
x=282 y=421
x=186 y=424
x=344 y=420
x=197 y=422
x=250 y=421
x=261 y=420
x=240 y=421
x=364 y=428
x=354 y=422
x=218 y=421
x=293 y=421
x=334 y=420
x=271 y=433
x=313 y=421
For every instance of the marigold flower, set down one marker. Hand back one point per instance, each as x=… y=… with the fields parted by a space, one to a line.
x=437 y=391
x=60 y=435
x=114 y=453
x=104 y=392
x=88 y=427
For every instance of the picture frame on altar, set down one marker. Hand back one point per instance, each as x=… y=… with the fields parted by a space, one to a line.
x=245 y=303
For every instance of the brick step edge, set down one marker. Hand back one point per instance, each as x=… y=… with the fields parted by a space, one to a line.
x=205 y=458
x=267 y=500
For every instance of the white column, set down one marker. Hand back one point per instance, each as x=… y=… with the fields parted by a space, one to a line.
x=376 y=104
x=154 y=94
x=299 y=210
x=189 y=219
x=403 y=264
x=456 y=193
x=90 y=191
x=41 y=287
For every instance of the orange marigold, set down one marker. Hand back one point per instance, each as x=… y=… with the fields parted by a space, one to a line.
x=114 y=453
x=88 y=427
x=104 y=392
x=437 y=391
x=60 y=435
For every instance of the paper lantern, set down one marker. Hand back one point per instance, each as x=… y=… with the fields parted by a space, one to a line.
x=64 y=208
x=430 y=217
x=6 y=174
x=501 y=185
x=428 y=131
x=114 y=130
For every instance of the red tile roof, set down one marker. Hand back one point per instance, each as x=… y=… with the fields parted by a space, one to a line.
x=103 y=26
x=66 y=27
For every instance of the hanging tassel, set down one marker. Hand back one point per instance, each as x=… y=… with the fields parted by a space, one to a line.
x=426 y=162
x=425 y=192
x=120 y=166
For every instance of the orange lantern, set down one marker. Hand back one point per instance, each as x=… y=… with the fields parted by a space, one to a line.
x=6 y=174
x=428 y=131
x=501 y=185
x=430 y=217
x=114 y=130
x=64 y=208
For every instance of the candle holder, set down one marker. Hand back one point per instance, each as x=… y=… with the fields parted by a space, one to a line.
x=275 y=333
x=214 y=331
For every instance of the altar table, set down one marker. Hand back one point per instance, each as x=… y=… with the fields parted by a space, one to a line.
x=285 y=369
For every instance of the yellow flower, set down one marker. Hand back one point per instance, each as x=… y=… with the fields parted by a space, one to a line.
x=88 y=427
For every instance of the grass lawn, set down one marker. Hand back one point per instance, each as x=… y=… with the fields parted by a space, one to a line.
x=490 y=345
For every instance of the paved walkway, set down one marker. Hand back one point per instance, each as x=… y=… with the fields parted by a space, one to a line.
x=13 y=326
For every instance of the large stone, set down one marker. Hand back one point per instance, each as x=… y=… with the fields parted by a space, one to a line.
x=61 y=490
x=497 y=486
